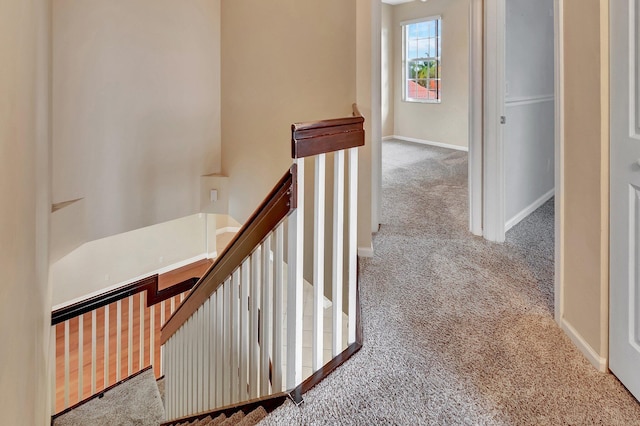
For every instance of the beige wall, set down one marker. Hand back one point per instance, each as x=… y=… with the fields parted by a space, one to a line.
x=25 y=304
x=586 y=171
x=387 y=69
x=283 y=61
x=446 y=122
x=136 y=108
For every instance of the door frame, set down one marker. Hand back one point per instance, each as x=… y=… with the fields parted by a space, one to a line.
x=493 y=161
x=476 y=114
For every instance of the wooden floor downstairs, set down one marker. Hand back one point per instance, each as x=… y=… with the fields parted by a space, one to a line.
x=133 y=331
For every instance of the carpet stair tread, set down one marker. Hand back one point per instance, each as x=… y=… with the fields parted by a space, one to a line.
x=254 y=417
x=234 y=419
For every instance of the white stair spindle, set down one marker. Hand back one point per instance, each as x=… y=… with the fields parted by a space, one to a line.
x=338 y=250
x=227 y=343
x=353 y=242
x=162 y=310
x=80 y=355
x=278 y=291
x=265 y=318
x=254 y=305
x=212 y=353
x=173 y=306
x=141 y=341
x=318 y=262
x=66 y=364
x=295 y=284
x=235 y=335
x=54 y=377
x=94 y=341
x=220 y=347
x=152 y=338
x=204 y=354
x=130 y=338
x=106 y=346
x=118 y=338
x=245 y=277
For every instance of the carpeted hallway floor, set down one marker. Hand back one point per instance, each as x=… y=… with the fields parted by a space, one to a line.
x=457 y=330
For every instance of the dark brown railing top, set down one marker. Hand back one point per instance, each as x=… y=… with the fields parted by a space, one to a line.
x=149 y=284
x=271 y=212
x=320 y=137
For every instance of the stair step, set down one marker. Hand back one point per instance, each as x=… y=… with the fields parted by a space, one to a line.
x=254 y=417
x=218 y=420
x=234 y=419
x=202 y=422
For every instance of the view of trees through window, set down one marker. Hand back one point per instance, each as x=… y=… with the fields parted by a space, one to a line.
x=422 y=42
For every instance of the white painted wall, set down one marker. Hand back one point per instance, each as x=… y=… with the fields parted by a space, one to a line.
x=136 y=108
x=529 y=102
x=446 y=122
x=25 y=297
x=124 y=258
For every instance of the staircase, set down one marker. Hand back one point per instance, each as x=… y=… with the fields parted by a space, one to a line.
x=271 y=318
x=238 y=418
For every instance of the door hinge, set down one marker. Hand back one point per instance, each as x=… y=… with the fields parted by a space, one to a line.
x=503 y=119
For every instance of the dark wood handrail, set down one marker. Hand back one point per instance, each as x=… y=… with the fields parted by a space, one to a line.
x=271 y=212
x=149 y=285
x=319 y=137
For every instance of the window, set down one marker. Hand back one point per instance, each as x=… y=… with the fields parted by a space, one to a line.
x=421 y=60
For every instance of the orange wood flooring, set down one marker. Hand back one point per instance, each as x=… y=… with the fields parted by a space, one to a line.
x=87 y=389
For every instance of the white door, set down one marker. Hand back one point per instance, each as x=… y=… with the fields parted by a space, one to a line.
x=624 y=325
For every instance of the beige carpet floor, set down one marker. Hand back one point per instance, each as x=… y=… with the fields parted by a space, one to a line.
x=457 y=330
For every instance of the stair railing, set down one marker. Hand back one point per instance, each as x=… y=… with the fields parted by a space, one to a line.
x=107 y=338
x=253 y=327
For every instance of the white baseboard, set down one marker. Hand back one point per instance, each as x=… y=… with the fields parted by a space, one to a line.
x=426 y=142
x=528 y=210
x=387 y=138
x=365 y=251
x=598 y=362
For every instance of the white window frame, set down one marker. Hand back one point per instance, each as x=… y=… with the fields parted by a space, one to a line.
x=405 y=70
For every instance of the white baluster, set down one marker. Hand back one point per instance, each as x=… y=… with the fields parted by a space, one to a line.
x=235 y=336
x=162 y=312
x=94 y=341
x=338 y=249
x=118 y=338
x=106 y=346
x=353 y=241
x=54 y=377
x=254 y=304
x=220 y=348
x=66 y=364
x=278 y=313
x=265 y=318
x=213 y=352
x=318 y=262
x=227 y=343
x=80 y=355
x=130 y=338
x=295 y=284
x=152 y=338
x=205 y=354
x=142 y=333
x=245 y=276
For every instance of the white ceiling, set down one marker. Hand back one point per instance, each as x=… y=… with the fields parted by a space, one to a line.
x=396 y=1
